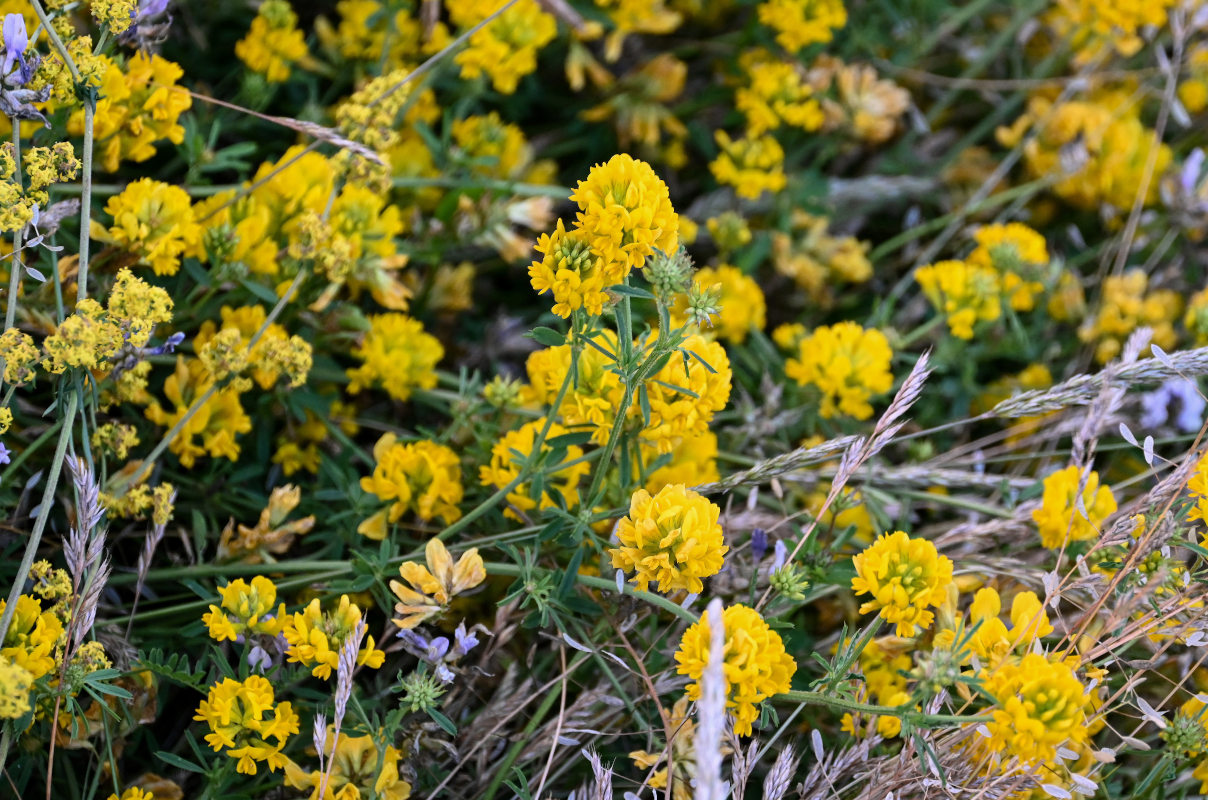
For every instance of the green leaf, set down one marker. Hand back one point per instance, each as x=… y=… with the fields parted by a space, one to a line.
x=178 y=762
x=261 y=291
x=443 y=721
x=546 y=336
x=569 y=440
x=631 y=291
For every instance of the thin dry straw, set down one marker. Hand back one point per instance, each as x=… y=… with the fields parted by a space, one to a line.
x=712 y=710
x=779 y=465
x=144 y=562
x=780 y=776
x=602 y=786
x=345 y=666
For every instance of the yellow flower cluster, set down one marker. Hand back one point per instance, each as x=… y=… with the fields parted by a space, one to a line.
x=1093 y=26
x=752 y=165
x=1126 y=304
x=216 y=423
x=398 y=355
x=1059 y=517
x=274 y=43
x=243 y=717
x=154 y=222
x=20 y=356
x=848 y=364
x=965 y=293
x=592 y=399
x=756 y=664
x=423 y=477
x=247 y=608
x=1040 y=706
x=33 y=638
x=672 y=538
x=800 y=23
x=506 y=49
x=43 y=166
x=118 y=15
x=1103 y=135
x=86 y=338
x=15 y=684
x=777 y=94
x=505 y=464
x=703 y=369
x=817 y=261
x=985 y=635
x=1197 y=487
x=138 y=107
x=743 y=307
x=354 y=764
x=315 y=638
x=1019 y=255
x=430 y=588
x=905 y=577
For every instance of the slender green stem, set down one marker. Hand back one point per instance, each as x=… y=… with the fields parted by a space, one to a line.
x=516 y=571
x=48 y=502
x=902 y=712
x=85 y=204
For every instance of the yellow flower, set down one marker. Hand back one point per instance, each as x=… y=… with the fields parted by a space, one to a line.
x=1118 y=24
x=492 y=148
x=397 y=354
x=243 y=717
x=674 y=414
x=672 y=538
x=315 y=638
x=636 y=16
x=799 y=23
x=246 y=608
x=988 y=637
x=1059 y=518
x=752 y=165
x=116 y=14
x=137 y=107
x=154 y=222
x=219 y=420
x=681 y=761
x=905 y=578
x=592 y=398
x=693 y=463
x=742 y=305
x=33 y=637
x=84 y=339
x=15 y=683
x=848 y=364
x=756 y=664
x=20 y=356
x=964 y=292
x=625 y=213
x=1127 y=303
x=138 y=307
x=240 y=325
x=424 y=477
x=274 y=43
x=134 y=793
x=570 y=270
x=505 y=464
x=356 y=770
x=817 y=261
x=1041 y=705
x=777 y=94
x=1019 y=254
x=506 y=48
x=271 y=533
x=1197 y=487
x=432 y=587
x=864 y=106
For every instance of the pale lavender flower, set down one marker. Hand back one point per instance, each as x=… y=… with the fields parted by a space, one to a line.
x=5 y=454
x=1177 y=393
x=259 y=659
x=16 y=40
x=444 y=674
x=780 y=555
x=463 y=642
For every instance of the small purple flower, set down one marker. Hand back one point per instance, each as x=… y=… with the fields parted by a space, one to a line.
x=444 y=674
x=759 y=544
x=463 y=642
x=169 y=345
x=780 y=555
x=5 y=454
x=259 y=659
x=16 y=40
x=151 y=8
x=1179 y=393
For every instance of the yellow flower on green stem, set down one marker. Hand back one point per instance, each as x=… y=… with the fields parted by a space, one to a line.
x=799 y=23
x=430 y=588
x=154 y=222
x=315 y=637
x=424 y=477
x=1040 y=706
x=964 y=293
x=505 y=465
x=671 y=538
x=905 y=577
x=246 y=608
x=1059 y=518
x=245 y=720
x=398 y=355
x=274 y=43
x=752 y=164
x=212 y=430
x=847 y=363
x=356 y=770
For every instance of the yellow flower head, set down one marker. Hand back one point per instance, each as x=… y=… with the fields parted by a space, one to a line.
x=430 y=588
x=153 y=221
x=216 y=423
x=357 y=770
x=274 y=43
x=675 y=415
x=243 y=718
x=138 y=307
x=848 y=364
x=246 y=609
x=756 y=664
x=398 y=355
x=752 y=165
x=672 y=538
x=1041 y=705
x=1059 y=518
x=87 y=339
x=592 y=399
x=504 y=467
x=570 y=270
x=1018 y=254
x=423 y=477
x=777 y=94
x=15 y=683
x=625 y=213
x=20 y=356
x=742 y=304
x=905 y=577
x=964 y=292
x=506 y=48
x=1127 y=303
x=799 y=23
x=315 y=638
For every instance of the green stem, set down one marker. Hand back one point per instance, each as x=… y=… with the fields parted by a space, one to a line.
x=515 y=571
x=85 y=204
x=902 y=712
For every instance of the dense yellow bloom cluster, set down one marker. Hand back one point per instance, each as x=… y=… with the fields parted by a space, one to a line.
x=752 y=165
x=1092 y=26
x=15 y=683
x=571 y=271
x=1040 y=706
x=1197 y=487
x=86 y=338
x=1104 y=135
x=985 y=635
x=1126 y=304
x=154 y=221
x=703 y=368
x=743 y=307
x=247 y=608
x=848 y=364
x=493 y=147
x=756 y=664
x=906 y=577
x=315 y=638
x=423 y=477
x=138 y=107
x=20 y=356
x=1059 y=517
x=275 y=353
x=965 y=293
x=243 y=717
x=672 y=539
x=1018 y=254
x=777 y=94
x=817 y=261
x=116 y=14
x=398 y=355
x=33 y=637
x=430 y=588
x=799 y=23
x=357 y=770
x=506 y=49
x=592 y=398
x=505 y=467
x=274 y=43
x=216 y=423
